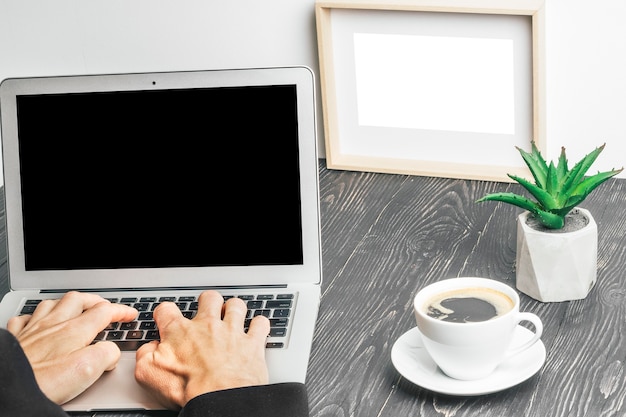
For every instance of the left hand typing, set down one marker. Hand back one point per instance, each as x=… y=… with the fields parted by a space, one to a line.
x=57 y=338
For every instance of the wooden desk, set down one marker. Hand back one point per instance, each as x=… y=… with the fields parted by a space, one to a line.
x=386 y=236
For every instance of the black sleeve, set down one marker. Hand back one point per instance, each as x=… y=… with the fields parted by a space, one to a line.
x=20 y=395
x=276 y=400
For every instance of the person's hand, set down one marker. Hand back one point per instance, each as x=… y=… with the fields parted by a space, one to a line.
x=208 y=353
x=57 y=338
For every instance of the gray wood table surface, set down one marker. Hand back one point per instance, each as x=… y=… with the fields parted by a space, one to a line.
x=385 y=236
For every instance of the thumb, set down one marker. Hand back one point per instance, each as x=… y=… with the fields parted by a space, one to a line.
x=86 y=365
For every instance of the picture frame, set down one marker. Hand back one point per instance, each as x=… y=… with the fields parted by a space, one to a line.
x=381 y=116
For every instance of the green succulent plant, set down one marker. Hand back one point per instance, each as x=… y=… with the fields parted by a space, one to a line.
x=557 y=189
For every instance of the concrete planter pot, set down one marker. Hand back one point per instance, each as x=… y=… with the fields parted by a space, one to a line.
x=553 y=266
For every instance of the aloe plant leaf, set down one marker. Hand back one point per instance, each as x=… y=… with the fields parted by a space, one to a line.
x=550 y=220
x=544 y=198
x=536 y=164
x=586 y=186
x=552 y=180
x=561 y=167
x=569 y=205
x=576 y=175
x=557 y=189
x=512 y=198
x=571 y=181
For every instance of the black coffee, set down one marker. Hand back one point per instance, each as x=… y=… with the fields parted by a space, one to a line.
x=468 y=305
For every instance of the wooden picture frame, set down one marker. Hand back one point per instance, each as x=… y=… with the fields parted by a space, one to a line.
x=383 y=146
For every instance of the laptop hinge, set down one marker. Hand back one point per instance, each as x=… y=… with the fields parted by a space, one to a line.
x=152 y=289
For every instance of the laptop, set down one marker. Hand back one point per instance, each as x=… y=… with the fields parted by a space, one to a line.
x=156 y=186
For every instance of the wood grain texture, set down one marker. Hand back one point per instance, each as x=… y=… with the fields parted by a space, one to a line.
x=427 y=229
x=385 y=236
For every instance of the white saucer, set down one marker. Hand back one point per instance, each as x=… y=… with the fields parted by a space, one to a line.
x=415 y=364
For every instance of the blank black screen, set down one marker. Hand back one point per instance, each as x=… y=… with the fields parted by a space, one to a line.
x=160 y=178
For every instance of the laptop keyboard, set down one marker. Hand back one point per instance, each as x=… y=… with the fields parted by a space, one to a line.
x=130 y=336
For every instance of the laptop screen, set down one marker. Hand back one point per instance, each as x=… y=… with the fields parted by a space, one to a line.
x=152 y=180
x=160 y=178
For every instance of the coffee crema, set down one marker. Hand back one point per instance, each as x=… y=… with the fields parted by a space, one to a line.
x=468 y=305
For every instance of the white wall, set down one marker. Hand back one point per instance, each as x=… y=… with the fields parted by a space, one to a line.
x=586 y=79
x=43 y=37
x=585 y=45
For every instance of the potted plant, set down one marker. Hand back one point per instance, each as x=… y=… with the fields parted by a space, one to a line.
x=557 y=241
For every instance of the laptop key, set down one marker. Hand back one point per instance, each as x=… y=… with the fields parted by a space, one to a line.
x=115 y=335
x=28 y=309
x=132 y=325
x=134 y=334
x=142 y=306
x=253 y=305
x=279 y=322
x=147 y=325
x=145 y=316
x=283 y=312
x=278 y=304
x=278 y=332
x=152 y=335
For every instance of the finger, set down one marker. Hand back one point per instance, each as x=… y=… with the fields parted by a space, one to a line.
x=92 y=361
x=80 y=371
x=43 y=309
x=235 y=311
x=145 y=366
x=104 y=313
x=105 y=353
x=96 y=318
x=210 y=305
x=166 y=313
x=146 y=350
x=156 y=377
x=16 y=324
x=71 y=305
x=259 y=328
x=75 y=303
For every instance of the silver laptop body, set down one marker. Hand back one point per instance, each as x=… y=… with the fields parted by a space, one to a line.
x=154 y=184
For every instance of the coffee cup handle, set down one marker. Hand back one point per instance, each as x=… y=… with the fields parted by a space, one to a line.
x=536 y=321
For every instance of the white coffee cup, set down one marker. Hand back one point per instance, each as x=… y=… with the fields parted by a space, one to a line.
x=470 y=350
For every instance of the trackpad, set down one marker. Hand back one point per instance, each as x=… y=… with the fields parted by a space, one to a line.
x=115 y=390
